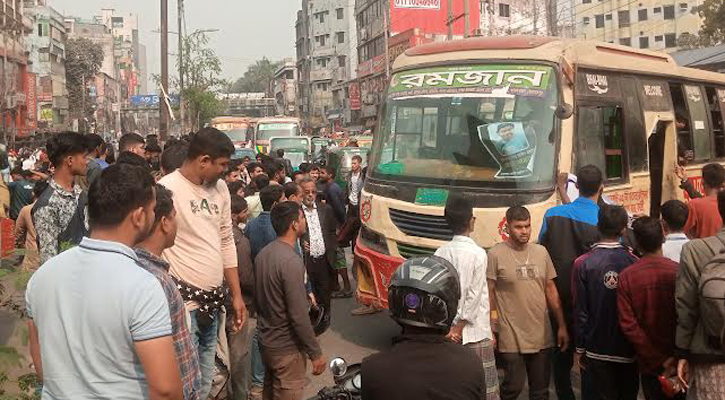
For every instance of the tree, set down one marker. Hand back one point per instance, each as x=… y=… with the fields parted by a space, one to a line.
x=202 y=82
x=257 y=77
x=689 y=42
x=712 y=13
x=82 y=63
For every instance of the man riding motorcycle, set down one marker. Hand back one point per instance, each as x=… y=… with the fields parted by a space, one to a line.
x=423 y=365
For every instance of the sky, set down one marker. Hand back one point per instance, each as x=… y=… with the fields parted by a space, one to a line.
x=248 y=29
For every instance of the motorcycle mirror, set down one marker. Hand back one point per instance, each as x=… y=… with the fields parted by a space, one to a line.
x=564 y=111
x=338 y=367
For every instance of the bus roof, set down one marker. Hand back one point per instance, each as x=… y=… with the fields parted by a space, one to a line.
x=577 y=52
x=278 y=119
x=230 y=119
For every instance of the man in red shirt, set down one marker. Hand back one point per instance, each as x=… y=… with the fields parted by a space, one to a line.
x=704 y=218
x=646 y=307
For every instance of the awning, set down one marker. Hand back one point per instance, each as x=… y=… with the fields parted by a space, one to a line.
x=333 y=116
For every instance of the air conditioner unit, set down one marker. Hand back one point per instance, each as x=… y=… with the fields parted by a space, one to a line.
x=585 y=21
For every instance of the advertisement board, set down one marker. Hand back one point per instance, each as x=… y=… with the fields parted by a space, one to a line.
x=354 y=92
x=31 y=100
x=430 y=16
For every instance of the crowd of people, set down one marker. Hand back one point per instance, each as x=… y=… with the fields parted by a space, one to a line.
x=628 y=301
x=163 y=263
x=199 y=224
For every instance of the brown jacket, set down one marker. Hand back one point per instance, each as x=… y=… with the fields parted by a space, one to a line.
x=25 y=237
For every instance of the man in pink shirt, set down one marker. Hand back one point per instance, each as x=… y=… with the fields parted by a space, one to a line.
x=204 y=255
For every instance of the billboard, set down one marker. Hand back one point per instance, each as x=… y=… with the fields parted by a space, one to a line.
x=431 y=16
x=354 y=91
x=419 y=4
x=31 y=100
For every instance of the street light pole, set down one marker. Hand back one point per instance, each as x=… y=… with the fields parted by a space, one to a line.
x=181 y=67
x=164 y=117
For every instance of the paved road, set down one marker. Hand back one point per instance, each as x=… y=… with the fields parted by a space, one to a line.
x=352 y=338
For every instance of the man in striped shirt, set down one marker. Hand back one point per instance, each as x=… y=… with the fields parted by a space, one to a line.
x=161 y=237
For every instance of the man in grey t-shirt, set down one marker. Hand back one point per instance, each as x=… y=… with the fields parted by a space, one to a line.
x=100 y=325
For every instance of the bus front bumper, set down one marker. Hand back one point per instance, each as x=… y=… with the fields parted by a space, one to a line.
x=373 y=271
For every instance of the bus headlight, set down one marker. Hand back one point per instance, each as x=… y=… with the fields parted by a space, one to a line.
x=374 y=241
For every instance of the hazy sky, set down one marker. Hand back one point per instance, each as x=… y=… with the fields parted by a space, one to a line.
x=248 y=29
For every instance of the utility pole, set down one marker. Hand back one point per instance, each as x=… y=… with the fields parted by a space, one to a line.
x=387 y=52
x=164 y=117
x=181 y=67
x=450 y=19
x=466 y=18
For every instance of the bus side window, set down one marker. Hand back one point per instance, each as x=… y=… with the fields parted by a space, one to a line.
x=600 y=139
x=700 y=122
x=716 y=116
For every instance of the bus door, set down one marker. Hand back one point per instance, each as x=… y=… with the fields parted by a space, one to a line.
x=658 y=110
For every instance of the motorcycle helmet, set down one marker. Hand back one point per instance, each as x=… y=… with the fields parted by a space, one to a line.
x=424 y=292
x=319 y=319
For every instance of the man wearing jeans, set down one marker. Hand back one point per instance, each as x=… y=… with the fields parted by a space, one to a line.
x=204 y=255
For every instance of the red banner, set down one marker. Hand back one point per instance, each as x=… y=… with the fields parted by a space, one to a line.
x=31 y=100
x=431 y=16
x=354 y=92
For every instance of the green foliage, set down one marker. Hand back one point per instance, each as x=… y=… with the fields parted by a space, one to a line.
x=712 y=31
x=257 y=77
x=82 y=63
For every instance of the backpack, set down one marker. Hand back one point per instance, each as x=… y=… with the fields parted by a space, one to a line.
x=712 y=296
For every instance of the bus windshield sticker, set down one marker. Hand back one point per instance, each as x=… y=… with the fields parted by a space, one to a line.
x=431 y=197
x=512 y=148
x=522 y=80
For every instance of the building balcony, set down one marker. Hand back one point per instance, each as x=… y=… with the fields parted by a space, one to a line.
x=321 y=74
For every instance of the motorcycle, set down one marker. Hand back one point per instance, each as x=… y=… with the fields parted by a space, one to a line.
x=348 y=383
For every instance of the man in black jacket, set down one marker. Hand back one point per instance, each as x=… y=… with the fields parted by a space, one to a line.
x=320 y=245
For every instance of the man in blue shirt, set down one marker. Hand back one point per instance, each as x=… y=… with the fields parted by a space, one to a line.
x=21 y=190
x=567 y=232
x=100 y=324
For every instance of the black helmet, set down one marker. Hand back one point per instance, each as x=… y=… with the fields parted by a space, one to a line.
x=319 y=319
x=424 y=293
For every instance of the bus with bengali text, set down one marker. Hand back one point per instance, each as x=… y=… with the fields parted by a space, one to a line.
x=270 y=127
x=238 y=129
x=504 y=120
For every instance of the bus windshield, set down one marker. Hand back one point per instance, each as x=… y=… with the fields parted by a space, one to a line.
x=237 y=135
x=265 y=131
x=474 y=125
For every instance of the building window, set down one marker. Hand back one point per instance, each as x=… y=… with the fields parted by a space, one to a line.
x=341 y=61
x=658 y=38
x=625 y=41
x=623 y=18
x=683 y=6
x=608 y=17
x=586 y=1
x=340 y=13
x=644 y=42
x=657 y=10
x=599 y=21
x=642 y=14
x=322 y=62
x=669 y=12
x=340 y=37
x=504 y=10
x=322 y=17
x=670 y=40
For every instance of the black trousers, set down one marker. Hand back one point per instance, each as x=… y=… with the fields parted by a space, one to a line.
x=322 y=277
x=517 y=367
x=613 y=381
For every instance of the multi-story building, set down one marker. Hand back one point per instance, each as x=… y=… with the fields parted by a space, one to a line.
x=513 y=17
x=46 y=49
x=644 y=24
x=105 y=91
x=284 y=88
x=386 y=28
x=17 y=84
x=325 y=45
x=129 y=53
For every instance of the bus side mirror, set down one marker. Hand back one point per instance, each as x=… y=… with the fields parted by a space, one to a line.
x=564 y=111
